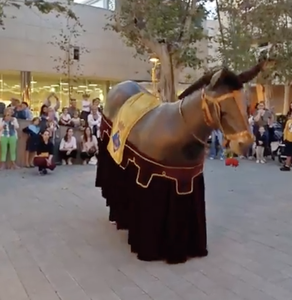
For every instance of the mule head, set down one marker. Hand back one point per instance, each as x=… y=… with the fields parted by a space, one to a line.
x=225 y=92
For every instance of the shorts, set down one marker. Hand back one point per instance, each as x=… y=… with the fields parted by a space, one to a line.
x=288 y=148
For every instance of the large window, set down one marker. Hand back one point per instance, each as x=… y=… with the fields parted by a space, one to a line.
x=43 y=85
x=9 y=86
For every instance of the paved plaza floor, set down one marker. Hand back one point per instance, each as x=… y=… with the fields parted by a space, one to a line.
x=56 y=242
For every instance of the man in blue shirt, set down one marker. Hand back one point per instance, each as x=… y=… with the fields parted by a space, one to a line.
x=28 y=113
x=22 y=112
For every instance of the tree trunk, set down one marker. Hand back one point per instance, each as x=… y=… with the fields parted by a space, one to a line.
x=168 y=77
x=268 y=95
x=286 y=103
x=70 y=87
x=221 y=29
x=247 y=93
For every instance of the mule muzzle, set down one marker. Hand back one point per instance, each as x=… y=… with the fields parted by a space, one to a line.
x=241 y=143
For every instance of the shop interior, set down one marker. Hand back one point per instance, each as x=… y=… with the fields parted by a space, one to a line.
x=42 y=85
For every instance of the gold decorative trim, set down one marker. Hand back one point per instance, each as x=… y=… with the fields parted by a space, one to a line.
x=232 y=94
x=163 y=175
x=236 y=136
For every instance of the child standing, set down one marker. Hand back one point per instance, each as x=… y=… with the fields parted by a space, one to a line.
x=75 y=121
x=261 y=142
x=288 y=144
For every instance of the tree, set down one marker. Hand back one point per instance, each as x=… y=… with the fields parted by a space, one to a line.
x=45 y=7
x=168 y=29
x=273 y=23
x=68 y=63
x=257 y=25
x=234 y=39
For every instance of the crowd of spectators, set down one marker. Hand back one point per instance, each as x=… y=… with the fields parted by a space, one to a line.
x=264 y=124
x=88 y=119
x=44 y=146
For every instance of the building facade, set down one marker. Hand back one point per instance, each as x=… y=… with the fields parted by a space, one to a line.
x=32 y=54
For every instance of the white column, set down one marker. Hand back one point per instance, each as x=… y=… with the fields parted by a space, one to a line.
x=25 y=80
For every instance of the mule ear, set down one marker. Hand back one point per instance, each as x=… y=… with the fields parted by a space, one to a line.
x=200 y=83
x=215 y=78
x=250 y=74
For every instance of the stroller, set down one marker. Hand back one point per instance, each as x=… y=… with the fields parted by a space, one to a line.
x=280 y=152
x=277 y=143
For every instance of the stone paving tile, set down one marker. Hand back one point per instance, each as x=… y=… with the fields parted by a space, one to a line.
x=56 y=242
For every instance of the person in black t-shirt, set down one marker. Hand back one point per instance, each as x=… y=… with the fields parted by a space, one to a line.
x=45 y=151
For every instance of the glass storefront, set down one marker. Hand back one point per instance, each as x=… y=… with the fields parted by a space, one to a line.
x=42 y=85
x=9 y=86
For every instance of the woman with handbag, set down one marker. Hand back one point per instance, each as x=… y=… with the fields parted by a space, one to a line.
x=89 y=145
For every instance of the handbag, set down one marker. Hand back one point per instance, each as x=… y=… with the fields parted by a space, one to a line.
x=92 y=150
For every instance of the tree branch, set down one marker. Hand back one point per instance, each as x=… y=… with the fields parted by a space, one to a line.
x=137 y=26
x=180 y=36
x=190 y=12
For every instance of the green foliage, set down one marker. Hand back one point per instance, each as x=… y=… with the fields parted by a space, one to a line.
x=143 y=23
x=66 y=41
x=251 y=26
x=275 y=29
x=60 y=8
x=235 y=41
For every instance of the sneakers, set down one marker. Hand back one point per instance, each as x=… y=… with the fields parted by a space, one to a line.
x=212 y=158
x=285 y=168
x=260 y=161
x=43 y=172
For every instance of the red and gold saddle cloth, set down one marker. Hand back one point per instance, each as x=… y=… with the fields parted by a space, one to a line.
x=147 y=168
x=129 y=114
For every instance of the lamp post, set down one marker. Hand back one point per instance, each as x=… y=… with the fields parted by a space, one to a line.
x=155 y=63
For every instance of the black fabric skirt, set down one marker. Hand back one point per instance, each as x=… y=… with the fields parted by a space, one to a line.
x=161 y=224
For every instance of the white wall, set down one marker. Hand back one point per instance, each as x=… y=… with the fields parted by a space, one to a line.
x=24 y=45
